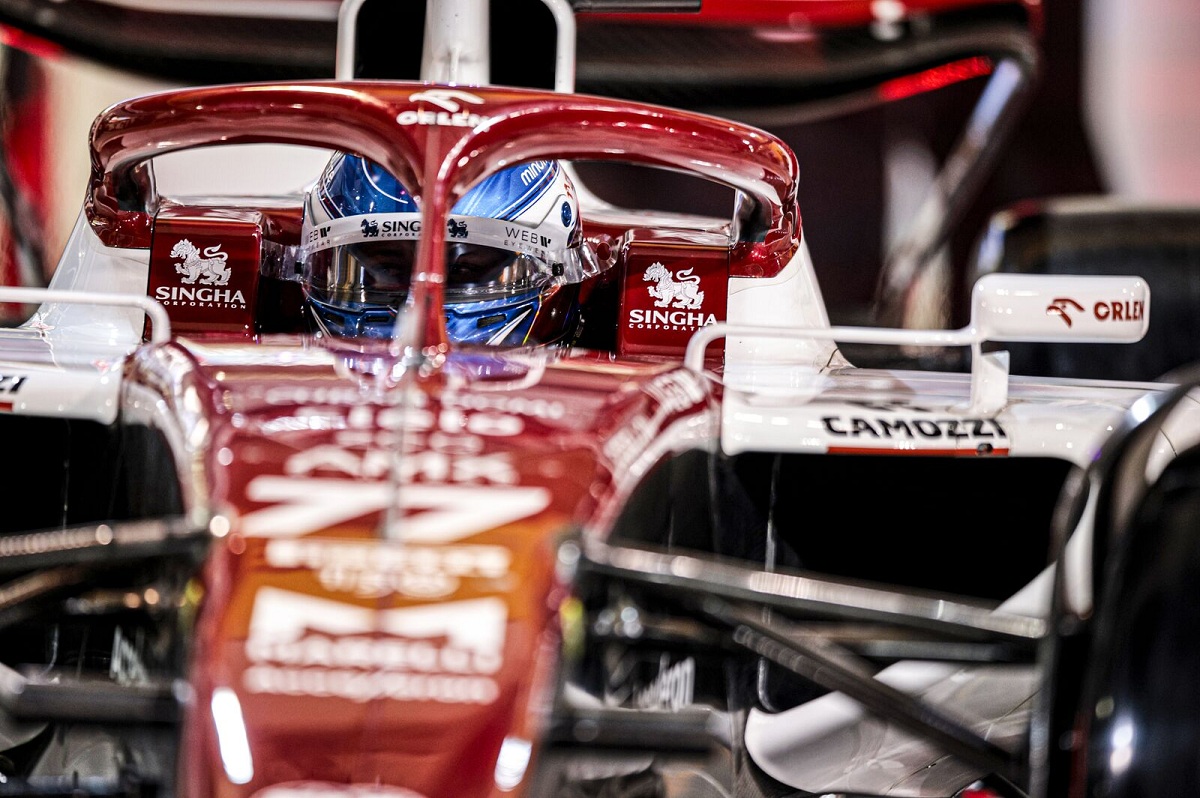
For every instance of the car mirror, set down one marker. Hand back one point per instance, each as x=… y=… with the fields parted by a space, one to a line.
x=1044 y=307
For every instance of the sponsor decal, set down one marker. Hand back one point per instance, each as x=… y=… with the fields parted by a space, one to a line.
x=928 y=434
x=914 y=428
x=211 y=269
x=453 y=109
x=393 y=228
x=669 y=320
x=179 y=296
x=545 y=409
x=898 y=427
x=452 y=488
x=372 y=570
x=531 y=172
x=322 y=789
x=516 y=236
x=1063 y=307
x=675 y=391
x=204 y=270
x=680 y=296
x=1122 y=310
x=434 y=466
x=202 y=275
x=670 y=292
x=126 y=666
x=674 y=688
x=673 y=289
x=309 y=394
x=11 y=383
x=407 y=227
x=630 y=439
x=502 y=418
x=433 y=513
x=446 y=653
x=318 y=233
x=452 y=431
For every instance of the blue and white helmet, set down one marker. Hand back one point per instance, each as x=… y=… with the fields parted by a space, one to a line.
x=513 y=263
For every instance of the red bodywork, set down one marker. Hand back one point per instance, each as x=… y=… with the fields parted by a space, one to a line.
x=381 y=605
x=382 y=122
x=810 y=14
x=406 y=662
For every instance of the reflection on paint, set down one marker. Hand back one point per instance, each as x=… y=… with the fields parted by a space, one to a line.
x=512 y=762
x=231 y=736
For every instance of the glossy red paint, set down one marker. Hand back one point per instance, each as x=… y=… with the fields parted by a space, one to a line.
x=28 y=42
x=204 y=268
x=405 y=127
x=376 y=619
x=355 y=655
x=671 y=289
x=808 y=14
x=936 y=78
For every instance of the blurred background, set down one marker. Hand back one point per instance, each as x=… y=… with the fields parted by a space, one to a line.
x=1112 y=108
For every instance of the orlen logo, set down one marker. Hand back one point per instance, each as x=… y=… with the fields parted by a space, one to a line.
x=1059 y=306
x=672 y=290
x=1121 y=310
x=451 y=101
x=201 y=273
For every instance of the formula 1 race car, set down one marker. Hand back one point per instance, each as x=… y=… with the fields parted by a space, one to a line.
x=440 y=476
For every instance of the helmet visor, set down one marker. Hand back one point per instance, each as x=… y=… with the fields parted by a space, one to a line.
x=375 y=273
x=361 y=266
x=379 y=273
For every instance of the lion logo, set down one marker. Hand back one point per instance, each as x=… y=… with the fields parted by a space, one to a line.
x=679 y=290
x=210 y=269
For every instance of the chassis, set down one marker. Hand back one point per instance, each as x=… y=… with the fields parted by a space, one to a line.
x=691 y=558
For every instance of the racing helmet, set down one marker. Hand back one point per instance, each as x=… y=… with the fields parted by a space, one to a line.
x=513 y=260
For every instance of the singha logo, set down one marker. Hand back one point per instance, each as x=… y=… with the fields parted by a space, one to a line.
x=679 y=290
x=370 y=228
x=209 y=269
x=456 y=229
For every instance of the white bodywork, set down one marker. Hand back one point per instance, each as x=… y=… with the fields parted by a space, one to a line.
x=68 y=355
